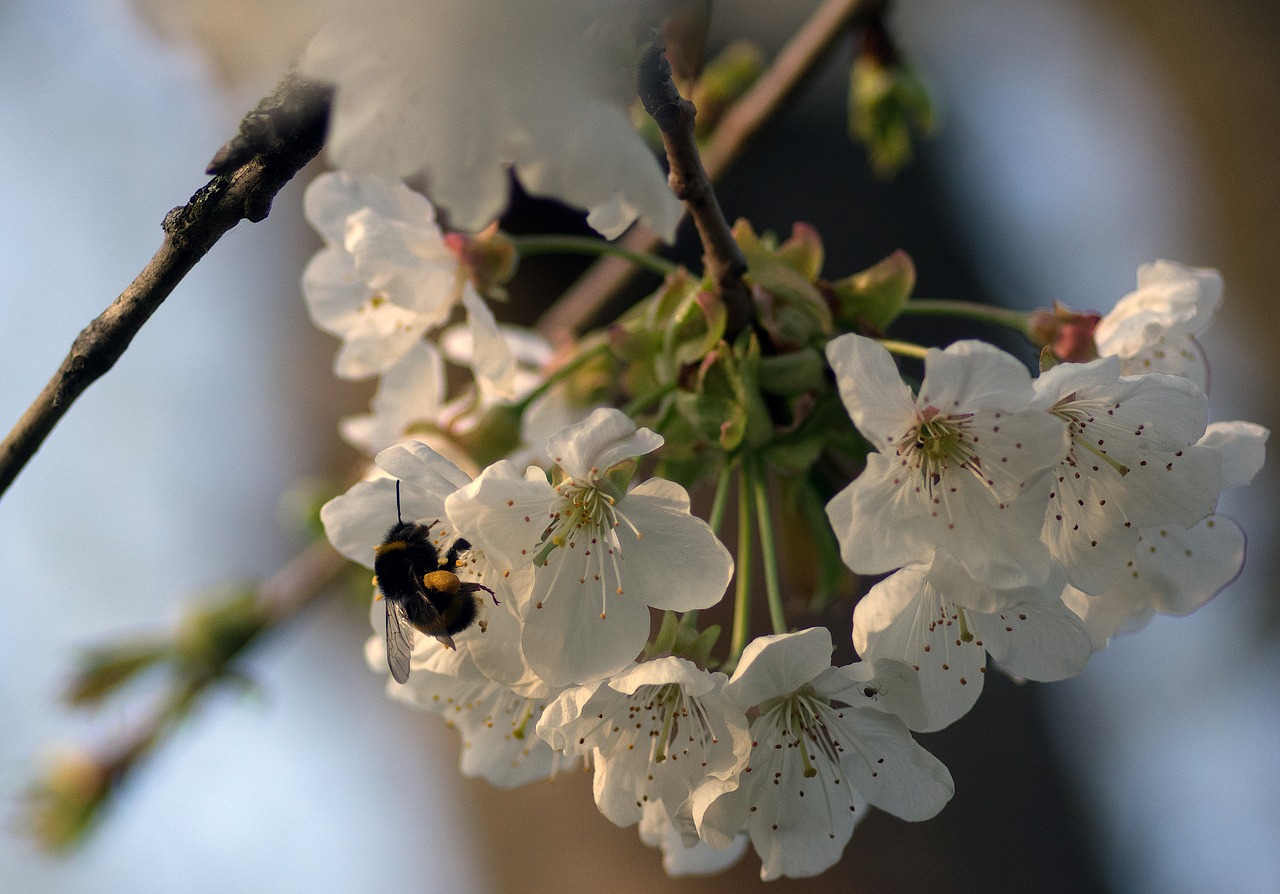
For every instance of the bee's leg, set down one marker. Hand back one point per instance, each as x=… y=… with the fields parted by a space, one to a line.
x=473 y=587
x=461 y=545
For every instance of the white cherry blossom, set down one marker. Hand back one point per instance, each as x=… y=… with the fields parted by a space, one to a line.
x=1132 y=463
x=681 y=858
x=496 y=724
x=960 y=469
x=409 y=393
x=356 y=523
x=455 y=94
x=388 y=276
x=1153 y=328
x=661 y=735
x=818 y=756
x=1177 y=569
x=602 y=554
x=943 y=624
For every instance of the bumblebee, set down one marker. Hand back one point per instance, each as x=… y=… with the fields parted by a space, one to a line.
x=421 y=589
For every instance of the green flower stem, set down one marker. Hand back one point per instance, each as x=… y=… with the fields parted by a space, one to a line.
x=768 y=546
x=969 y=310
x=903 y=348
x=528 y=246
x=721 y=501
x=742 y=575
x=561 y=373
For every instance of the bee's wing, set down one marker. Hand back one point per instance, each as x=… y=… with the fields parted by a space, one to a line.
x=421 y=613
x=399 y=640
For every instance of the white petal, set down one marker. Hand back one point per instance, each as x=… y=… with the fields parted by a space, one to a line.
x=1174 y=352
x=604 y=438
x=491 y=356
x=974 y=375
x=779 y=665
x=907 y=618
x=411 y=267
x=378 y=338
x=1173 y=571
x=357 y=521
x=456 y=93
x=878 y=401
x=1243 y=446
x=1038 y=641
x=504 y=513
x=410 y=392
x=333 y=292
x=332 y=197
x=571 y=634
x=417 y=465
x=887 y=766
x=1168 y=295
x=680 y=859
x=677 y=563
x=885 y=684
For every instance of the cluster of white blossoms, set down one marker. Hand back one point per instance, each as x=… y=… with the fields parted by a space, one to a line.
x=788 y=752
x=1030 y=520
x=1023 y=519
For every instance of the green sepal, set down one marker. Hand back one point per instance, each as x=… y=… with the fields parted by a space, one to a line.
x=617 y=478
x=760 y=429
x=792 y=373
x=873 y=298
x=794 y=453
x=697 y=325
x=698 y=650
x=496 y=434
x=729 y=75
x=788 y=303
x=1047 y=359
x=665 y=641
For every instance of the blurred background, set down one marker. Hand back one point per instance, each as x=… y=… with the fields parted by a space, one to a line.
x=1078 y=139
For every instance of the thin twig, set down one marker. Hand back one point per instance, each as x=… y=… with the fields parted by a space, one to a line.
x=674 y=116
x=65 y=805
x=740 y=124
x=269 y=156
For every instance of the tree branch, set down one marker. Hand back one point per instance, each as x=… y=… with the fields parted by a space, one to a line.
x=675 y=116
x=736 y=129
x=276 y=140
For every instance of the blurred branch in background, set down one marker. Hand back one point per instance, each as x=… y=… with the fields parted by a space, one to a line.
x=203 y=653
x=275 y=141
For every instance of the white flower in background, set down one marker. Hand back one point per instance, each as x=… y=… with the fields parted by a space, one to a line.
x=455 y=94
x=1132 y=463
x=387 y=276
x=410 y=392
x=1177 y=569
x=943 y=624
x=959 y=469
x=409 y=402
x=496 y=724
x=602 y=554
x=662 y=737
x=816 y=760
x=679 y=857
x=1153 y=328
